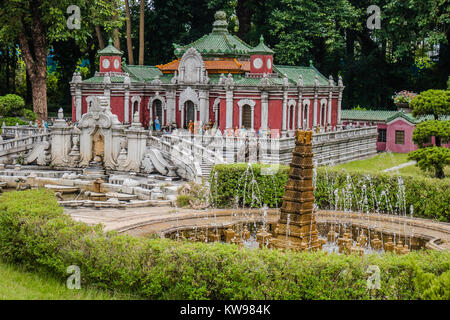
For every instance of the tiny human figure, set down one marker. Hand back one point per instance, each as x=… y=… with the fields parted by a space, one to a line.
x=150 y=125
x=157 y=124
x=191 y=127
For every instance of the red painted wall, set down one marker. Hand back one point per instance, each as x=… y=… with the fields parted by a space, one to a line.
x=275 y=113
x=117 y=104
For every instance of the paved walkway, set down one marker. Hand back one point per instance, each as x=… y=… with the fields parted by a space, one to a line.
x=407 y=164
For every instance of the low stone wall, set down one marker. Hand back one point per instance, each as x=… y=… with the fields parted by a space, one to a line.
x=328 y=147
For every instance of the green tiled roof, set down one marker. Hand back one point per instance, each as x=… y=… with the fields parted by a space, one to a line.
x=407 y=116
x=110 y=50
x=308 y=74
x=384 y=115
x=100 y=80
x=218 y=43
x=261 y=48
x=142 y=73
x=369 y=115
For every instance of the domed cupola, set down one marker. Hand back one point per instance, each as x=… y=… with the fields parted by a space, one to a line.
x=110 y=58
x=261 y=60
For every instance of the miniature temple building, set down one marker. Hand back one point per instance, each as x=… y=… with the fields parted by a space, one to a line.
x=217 y=79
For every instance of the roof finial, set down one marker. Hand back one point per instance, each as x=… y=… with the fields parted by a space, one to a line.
x=220 y=25
x=110 y=41
x=311 y=63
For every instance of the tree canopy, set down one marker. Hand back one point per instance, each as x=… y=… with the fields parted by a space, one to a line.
x=409 y=52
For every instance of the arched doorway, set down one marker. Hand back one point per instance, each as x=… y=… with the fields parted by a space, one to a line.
x=305 y=117
x=247 y=116
x=189 y=113
x=134 y=109
x=157 y=111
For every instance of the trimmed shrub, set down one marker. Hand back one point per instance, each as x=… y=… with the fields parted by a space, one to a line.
x=240 y=184
x=29 y=115
x=35 y=233
x=11 y=105
x=335 y=189
x=11 y=121
x=40 y=236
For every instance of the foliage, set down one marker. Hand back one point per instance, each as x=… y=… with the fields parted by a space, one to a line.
x=12 y=121
x=430 y=198
x=436 y=103
x=432 y=128
x=29 y=115
x=431 y=102
x=432 y=159
x=11 y=105
x=233 y=185
x=192 y=194
x=404 y=97
x=40 y=236
x=359 y=108
x=183 y=200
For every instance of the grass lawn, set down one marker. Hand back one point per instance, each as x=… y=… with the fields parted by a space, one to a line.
x=386 y=160
x=378 y=163
x=17 y=284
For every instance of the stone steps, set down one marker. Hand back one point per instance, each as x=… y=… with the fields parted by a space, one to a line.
x=206 y=169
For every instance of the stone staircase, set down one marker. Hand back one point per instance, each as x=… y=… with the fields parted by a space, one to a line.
x=206 y=169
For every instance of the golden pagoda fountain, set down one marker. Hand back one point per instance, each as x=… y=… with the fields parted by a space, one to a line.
x=296 y=228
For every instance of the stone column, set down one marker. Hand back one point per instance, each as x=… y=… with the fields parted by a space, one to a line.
x=315 y=109
x=299 y=109
x=60 y=141
x=137 y=144
x=341 y=89
x=171 y=102
x=330 y=99
x=339 y=107
x=229 y=109
x=204 y=106
x=284 y=113
x=126 y=106
x=264 y=110
x=78 y=99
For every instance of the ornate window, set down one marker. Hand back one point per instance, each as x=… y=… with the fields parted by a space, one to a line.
x=246 y=116
x=247 y=106
x=399 y=137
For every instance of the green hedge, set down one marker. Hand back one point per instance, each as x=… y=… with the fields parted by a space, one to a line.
x=228 y=181
x=35 y=233
x=429 y=197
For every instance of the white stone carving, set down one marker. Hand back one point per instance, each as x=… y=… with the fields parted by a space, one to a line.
x=188 y=94
x=191 y=68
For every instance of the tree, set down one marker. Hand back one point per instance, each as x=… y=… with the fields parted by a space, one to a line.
x=431 y=102
x=37 y=24
x=434 y=158
x=141 y=32
x=129 y=41
x=433 y=128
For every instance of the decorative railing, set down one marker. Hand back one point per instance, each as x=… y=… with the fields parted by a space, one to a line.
x=10 y=145
x=21 y=131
